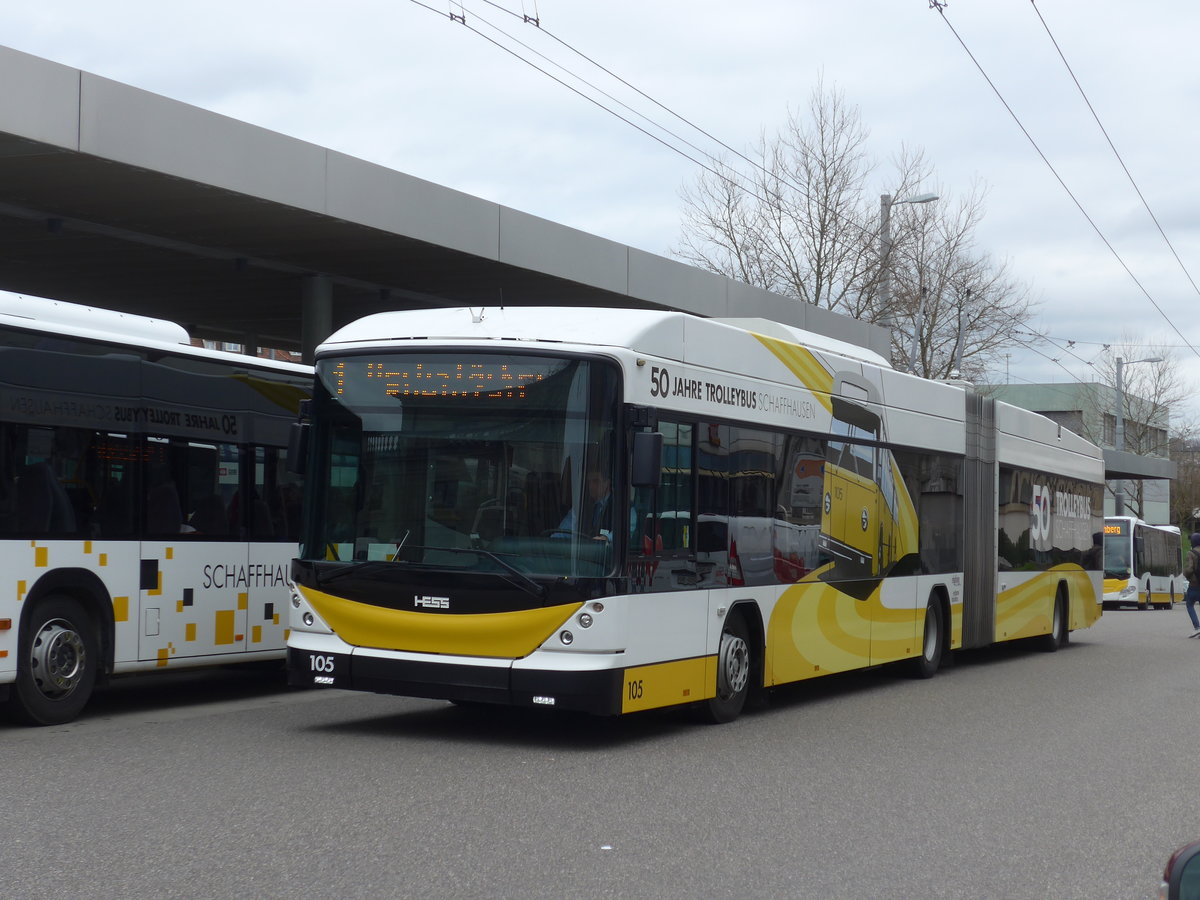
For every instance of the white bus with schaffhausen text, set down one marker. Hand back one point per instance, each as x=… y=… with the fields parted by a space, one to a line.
x=147 y=517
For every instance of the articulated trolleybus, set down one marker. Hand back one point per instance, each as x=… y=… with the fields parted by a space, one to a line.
x=147 y=517
x=618 y=510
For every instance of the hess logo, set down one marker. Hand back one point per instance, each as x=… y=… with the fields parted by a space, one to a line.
x=425 y=601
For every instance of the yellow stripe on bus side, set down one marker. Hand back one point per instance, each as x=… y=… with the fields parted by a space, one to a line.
x=801 y=363
x=669 y=683
x=508 y=635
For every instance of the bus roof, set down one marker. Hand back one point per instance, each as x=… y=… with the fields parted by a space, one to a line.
x=88 y=321
x=655 y=332
x=1136 y=521
x=124 y=329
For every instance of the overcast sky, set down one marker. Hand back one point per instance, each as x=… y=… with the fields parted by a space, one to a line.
x=398 y=84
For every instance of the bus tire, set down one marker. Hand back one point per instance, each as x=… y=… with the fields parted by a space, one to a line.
x=929 y=660
x=1059 y=635
x=56 y=663
x=734 y=665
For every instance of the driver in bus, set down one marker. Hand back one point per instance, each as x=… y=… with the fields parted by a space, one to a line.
x=597 y=519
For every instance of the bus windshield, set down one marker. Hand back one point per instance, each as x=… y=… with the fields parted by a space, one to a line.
x=484 y=461
x=1118 y=557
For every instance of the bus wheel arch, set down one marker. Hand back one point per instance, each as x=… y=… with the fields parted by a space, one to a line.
x=739 y=663
x=935 y=635
x=64 y=647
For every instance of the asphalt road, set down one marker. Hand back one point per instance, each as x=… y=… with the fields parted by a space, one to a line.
x=1012 y=774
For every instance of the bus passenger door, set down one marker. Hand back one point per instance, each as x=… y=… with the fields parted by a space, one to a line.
x=274 y=533
x=195 y=577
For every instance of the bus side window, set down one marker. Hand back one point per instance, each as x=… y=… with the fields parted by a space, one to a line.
x=674 y=519
x=279 y=492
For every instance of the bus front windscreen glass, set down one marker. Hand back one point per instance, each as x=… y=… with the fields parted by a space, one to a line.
x=488 y=462
x=1118 y=550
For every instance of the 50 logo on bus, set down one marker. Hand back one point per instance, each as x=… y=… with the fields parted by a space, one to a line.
x=661 y=385
x=1039 y=517
x=660 y=382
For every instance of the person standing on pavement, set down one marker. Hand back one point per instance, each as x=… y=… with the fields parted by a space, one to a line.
x=1191 y=571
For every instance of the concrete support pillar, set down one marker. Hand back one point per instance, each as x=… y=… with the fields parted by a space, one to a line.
x=316 y=313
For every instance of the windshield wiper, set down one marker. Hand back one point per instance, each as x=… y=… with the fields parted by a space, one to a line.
x=523 y=581
x=519 y=578
x=353 y=567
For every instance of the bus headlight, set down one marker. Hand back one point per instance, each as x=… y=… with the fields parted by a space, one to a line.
x=566 y=637
x=585 y=620
x=307 y=618
x=1128 y=591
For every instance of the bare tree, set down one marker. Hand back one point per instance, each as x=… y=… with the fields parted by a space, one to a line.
x=796 y=216
x=956 y=309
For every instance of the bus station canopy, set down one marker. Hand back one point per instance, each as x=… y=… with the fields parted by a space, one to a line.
x=115 y=197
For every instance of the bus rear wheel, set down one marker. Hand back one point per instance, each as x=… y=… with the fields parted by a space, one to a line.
x=56 y=663
x=1059 y=634
x=930 y=658
x=734 y=665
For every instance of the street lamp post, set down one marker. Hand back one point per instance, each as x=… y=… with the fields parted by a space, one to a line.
x=1119 y=436
x=885 y=248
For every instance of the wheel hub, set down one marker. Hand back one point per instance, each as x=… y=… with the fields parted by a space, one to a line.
x=57 y=658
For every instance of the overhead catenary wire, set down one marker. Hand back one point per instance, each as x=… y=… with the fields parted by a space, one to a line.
x=1129 y=175
x=727 y=174
x=461 y=19
x=939 y=6
x=732 y=176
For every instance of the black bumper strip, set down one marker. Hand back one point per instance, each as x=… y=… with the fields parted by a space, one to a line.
x=597 y=692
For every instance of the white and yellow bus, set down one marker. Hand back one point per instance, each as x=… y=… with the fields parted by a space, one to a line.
x=618 y=510
x=1143 y=564
x=147 y=517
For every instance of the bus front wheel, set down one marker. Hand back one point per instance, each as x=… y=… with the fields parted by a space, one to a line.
x=733 y=672
x=56 y=663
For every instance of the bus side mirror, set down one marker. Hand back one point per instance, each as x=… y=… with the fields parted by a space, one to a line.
x=647 y=458
x=297 y=451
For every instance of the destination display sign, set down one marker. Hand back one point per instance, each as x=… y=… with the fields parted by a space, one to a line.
x=442 y=376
